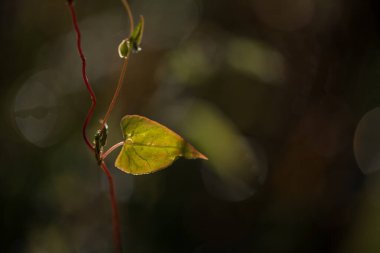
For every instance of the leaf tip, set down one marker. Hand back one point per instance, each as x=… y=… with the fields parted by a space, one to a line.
x=202 y=156
x=192 y=153
x=136 y=36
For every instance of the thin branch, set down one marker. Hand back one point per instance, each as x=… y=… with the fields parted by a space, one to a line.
x=109 y=151
x=116 y=94
x=84 y=75
x=123 y=69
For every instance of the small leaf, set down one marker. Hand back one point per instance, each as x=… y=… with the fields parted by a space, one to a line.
x=124 y=49
x=150 y=146
x=136 y=36
x=132 y=43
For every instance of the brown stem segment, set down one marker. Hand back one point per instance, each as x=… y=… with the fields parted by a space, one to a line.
x=115 y=212
x=116 y=94
x=84 y=75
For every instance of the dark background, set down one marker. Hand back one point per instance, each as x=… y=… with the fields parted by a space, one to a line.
x=281 y=95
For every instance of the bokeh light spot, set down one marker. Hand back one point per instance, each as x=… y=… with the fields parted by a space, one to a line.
x=36 y=108
x=256 y=60
x=367 y=142
x=235 y=167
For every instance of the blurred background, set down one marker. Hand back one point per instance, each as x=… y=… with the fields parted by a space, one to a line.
x=283 y=96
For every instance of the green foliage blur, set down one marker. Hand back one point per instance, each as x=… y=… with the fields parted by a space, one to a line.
x=282 y=96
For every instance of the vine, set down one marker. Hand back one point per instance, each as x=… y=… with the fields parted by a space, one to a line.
x=147 y=146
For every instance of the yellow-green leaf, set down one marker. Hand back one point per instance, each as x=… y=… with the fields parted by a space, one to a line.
x=150 y=146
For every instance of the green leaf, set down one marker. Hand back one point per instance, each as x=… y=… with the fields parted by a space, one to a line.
x=133 y=43
x=137 y=34
x=150 y=146
x=124 y=49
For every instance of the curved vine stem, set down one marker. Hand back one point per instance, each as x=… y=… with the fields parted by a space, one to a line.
x=130 y=16
x=84 y=75
x=115 y=213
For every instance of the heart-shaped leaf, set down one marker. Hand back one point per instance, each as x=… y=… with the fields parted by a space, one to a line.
x=150 y=146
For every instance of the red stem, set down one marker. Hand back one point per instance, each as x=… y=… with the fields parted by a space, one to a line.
x=84 y=76
x=115 y=213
